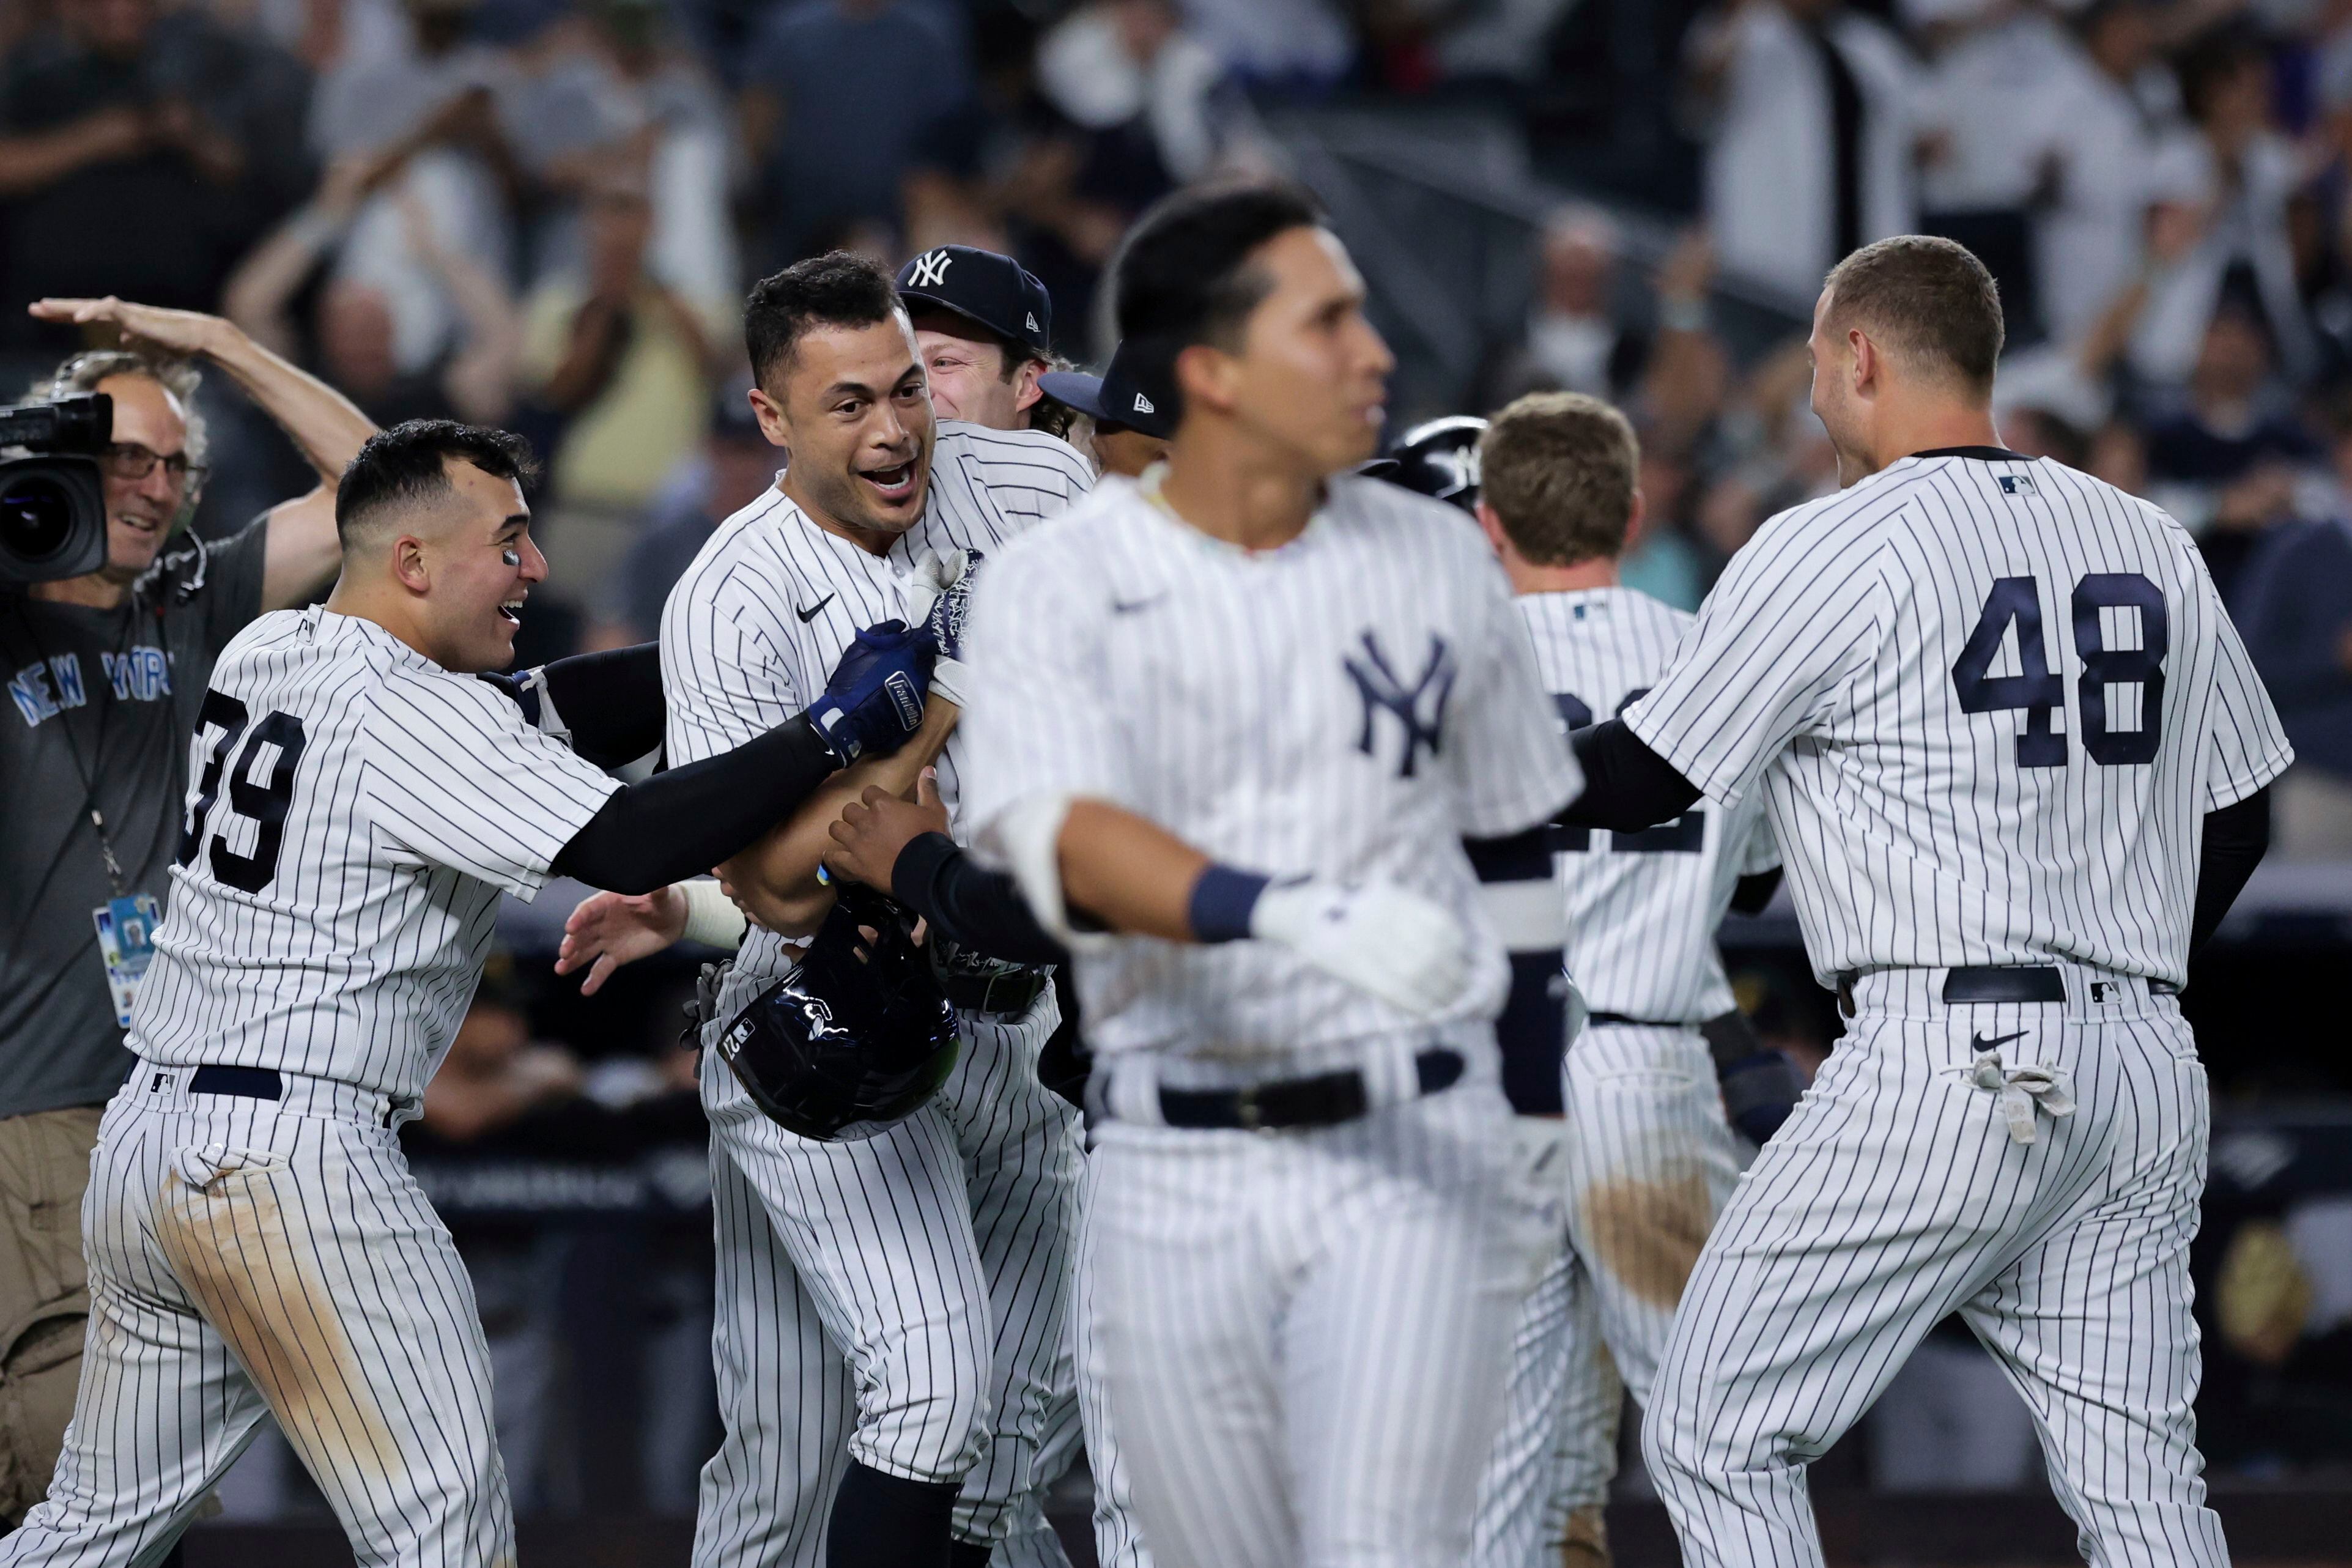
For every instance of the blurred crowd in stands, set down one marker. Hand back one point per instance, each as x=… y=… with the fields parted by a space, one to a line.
x=543 y=214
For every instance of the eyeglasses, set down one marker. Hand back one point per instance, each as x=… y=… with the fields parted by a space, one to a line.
x=129 y=460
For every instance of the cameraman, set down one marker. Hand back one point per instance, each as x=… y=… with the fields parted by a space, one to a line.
x=105 y=673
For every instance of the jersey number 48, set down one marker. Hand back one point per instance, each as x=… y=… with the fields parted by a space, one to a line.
x=2040 y=692
x=263 y=804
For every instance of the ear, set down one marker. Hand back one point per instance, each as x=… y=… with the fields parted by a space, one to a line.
x=1204 y=375
x=1867 y=365
x=1636 y=521
x=408 y=564
x=1026 y=393
x=770 y=415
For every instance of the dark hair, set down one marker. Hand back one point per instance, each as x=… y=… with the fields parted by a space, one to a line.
x=408 y=464
x=836 y=289
x=1182 y=277
x=1560 y=468
x=1928 y=299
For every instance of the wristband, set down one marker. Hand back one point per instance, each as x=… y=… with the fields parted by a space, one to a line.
x=712 y=917
x=1221 y=902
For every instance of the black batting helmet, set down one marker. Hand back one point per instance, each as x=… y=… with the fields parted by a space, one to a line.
x=1440 y=459
x=860 y=1037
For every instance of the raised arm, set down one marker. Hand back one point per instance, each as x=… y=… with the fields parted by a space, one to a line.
x=303 y=553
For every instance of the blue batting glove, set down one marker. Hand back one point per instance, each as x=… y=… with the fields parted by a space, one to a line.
x=874 y=700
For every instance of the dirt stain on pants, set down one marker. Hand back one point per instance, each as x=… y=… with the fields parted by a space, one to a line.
x=1648 y=1232
x=227 y=1242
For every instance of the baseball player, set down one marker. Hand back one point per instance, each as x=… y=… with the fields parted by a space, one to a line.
x=984 y=331
x=1130 y=428
x=1652 y=1155
x=1245 y=750
x=916 y=1282
x=358 y=804
x=2015 y=758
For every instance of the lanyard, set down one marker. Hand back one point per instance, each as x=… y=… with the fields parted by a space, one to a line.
x=88 y=773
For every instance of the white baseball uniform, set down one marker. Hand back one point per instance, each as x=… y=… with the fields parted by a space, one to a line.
x=255 y=1239
x=1303 y=1334
x=1988 y=701
x=1651 y=1158
x=936 y=1257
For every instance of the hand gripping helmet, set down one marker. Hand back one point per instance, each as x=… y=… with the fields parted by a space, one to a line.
x=1440 y=459
x=858 y=1038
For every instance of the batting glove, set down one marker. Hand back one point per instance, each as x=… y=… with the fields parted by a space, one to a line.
x=1404 y=949
x=937 y=603
x=874 y=701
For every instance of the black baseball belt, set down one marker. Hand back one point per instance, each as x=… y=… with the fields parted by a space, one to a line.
x=1006 y=994
x=249 y=1083
x=1324 y=1099
x=1989 y=982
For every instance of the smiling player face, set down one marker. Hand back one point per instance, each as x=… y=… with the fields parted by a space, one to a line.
x=481 y=564
x=852 y=410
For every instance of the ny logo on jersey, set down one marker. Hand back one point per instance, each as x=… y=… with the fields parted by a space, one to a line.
x=1420 y=708
x=930 y=270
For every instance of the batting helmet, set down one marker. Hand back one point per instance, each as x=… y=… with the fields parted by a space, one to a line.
x=1440 y=459
x=858 y=1038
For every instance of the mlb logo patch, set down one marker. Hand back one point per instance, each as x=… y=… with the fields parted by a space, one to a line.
x=2017 y=485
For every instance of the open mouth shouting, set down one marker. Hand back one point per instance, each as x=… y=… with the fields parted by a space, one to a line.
x=511 y=610
x=896 y=486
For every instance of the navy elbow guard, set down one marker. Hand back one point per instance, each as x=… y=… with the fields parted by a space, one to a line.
x=1519 y=887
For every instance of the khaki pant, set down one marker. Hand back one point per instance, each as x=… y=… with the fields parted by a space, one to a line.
x=44 y=1293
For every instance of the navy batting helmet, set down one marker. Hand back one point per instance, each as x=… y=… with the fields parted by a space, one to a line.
x=858 y=1038
x=1440 y=459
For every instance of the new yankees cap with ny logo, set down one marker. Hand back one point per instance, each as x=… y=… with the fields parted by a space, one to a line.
x=1117 y=397
x=995 y=290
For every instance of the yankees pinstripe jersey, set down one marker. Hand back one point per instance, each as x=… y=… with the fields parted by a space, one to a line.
x=1988 y=701
x=1349 y=706
x=1641 y=907
x=353 y=813
x=751 y=631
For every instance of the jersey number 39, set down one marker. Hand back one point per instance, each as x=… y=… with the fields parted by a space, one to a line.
x=263 y=804
x=2040 y=692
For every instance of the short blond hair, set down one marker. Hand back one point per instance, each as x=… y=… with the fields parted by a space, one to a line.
x=1560 y=468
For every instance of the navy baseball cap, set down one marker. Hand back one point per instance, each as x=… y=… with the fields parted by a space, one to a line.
x=995 y=290
x=1117 y=397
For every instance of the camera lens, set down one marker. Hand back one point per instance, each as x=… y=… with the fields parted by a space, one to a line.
x=35 y=518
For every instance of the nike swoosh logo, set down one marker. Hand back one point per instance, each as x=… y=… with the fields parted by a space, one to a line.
x=1131 y=607
x=1980 y=1043
x=811 y=613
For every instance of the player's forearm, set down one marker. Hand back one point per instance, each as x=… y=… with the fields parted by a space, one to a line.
x=1627 y=786
x=775 y=878
x=2236 y=837
x=673 y=825
x=1127 y=872
x=970 y=904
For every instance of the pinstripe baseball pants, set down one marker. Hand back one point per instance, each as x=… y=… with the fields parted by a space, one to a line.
x=902 y=1301
x=1651 y=1163
x=247 y=1257
x=1903 y=1189
x=1304 y=1335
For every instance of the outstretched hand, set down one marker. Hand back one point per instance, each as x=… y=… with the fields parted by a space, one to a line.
x=609 y=930
x=179 y=332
